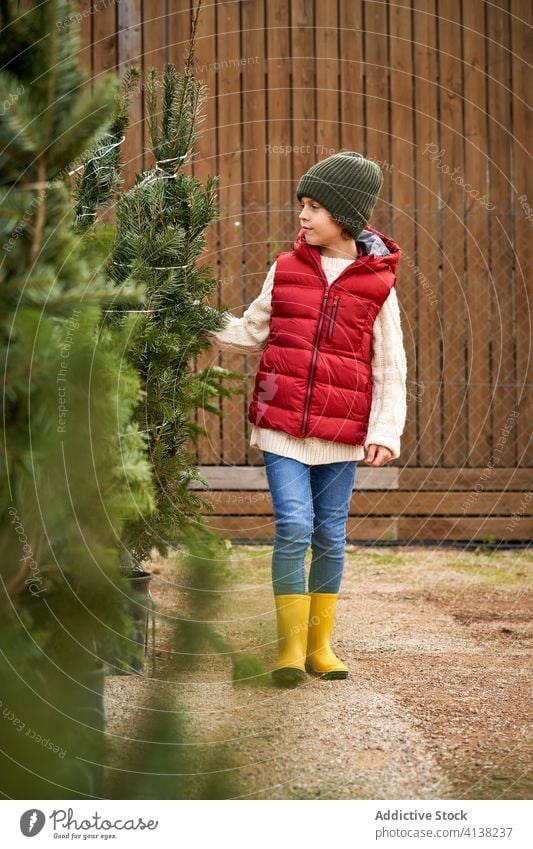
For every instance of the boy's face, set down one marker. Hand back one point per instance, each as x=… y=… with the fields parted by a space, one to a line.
x=320 y=229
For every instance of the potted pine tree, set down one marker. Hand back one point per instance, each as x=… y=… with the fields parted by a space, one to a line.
x=157 y=241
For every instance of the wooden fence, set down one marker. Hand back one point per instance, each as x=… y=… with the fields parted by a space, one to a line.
x=439 y=96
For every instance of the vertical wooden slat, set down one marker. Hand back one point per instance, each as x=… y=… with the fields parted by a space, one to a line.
x=85 y=33
x=155 y=54
x=104 y=39
x=155 y=34
x=400 y=177
x=452 y=233
x=205 y=162
x=281 y=190
x=129 y=40
x=179 y=24
x=424 y=265
x=500 y=241
x=303 y=121
x=230 y=228
x=376 y=101
x=179 y=29
x=327 y=70
x=478 y=290
x=105 y=57
x=522 y=133
x=254 y=169
x=351 y=75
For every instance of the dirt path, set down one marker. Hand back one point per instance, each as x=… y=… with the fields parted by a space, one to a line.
x=437 y=704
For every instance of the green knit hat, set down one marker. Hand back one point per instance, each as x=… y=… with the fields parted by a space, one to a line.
x=348 y=186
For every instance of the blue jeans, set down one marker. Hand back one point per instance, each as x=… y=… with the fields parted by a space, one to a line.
x=311 y=505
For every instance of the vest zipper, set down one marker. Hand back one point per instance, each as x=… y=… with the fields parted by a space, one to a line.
x=313 y=361
x=332 y=317
x=327 y=288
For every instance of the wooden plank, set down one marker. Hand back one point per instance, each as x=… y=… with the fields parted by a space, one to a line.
x=393 y=503
x=254 y=182
x=105 y=56
x=351 y=75
x=84 y=26
x=104 y=34
x=255 y=528
x=129 y=40
x=522 y=133
x=155 y=52
x=485 y=478
x=254 y=477
x=424 y=261
x=452 y=198
x=476 y=233
x=326 y=38
x=155 y=35
x=179 y=27
x=205 y=162
x=398 y=174
x=478 y=528
x=383 y=529
x=231 y=447
x=376 y=82
x=282 y=213
x=179 y=22
x=303 y=85
x=503 y=400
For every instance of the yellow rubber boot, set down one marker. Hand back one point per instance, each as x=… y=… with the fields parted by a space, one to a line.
x=320 y=657
x=292 y=613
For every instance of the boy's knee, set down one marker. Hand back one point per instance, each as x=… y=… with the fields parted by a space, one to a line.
x=294 y=529
x=329 y=538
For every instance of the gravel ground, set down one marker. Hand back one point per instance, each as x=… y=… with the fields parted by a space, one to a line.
x=437 y=703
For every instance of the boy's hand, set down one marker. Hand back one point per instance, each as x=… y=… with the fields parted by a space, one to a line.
x=378 y=455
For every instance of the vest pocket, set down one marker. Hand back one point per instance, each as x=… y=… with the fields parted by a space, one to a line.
x=332 y=317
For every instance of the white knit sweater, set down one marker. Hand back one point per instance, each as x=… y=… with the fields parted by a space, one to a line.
x=388 y=411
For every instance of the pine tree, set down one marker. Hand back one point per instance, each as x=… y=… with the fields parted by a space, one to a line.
x=98 y=179
x=163 y=217
x=160 y=238
x=74 y=464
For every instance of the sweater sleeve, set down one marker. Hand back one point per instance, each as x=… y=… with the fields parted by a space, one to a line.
x=249 y=333
x=389 y=371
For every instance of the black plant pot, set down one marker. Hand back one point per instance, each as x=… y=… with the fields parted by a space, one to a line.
x=143 y=613
x=142 y=609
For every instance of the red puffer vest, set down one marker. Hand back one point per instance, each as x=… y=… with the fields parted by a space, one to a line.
x=315 y=375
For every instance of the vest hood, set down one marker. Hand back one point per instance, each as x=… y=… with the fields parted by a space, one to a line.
x=376 y=251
